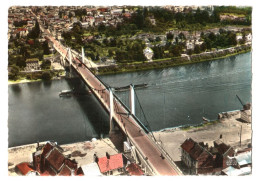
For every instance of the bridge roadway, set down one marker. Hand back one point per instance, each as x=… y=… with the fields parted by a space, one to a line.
x=142 y=141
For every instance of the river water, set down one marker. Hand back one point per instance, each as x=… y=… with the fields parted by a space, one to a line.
x=175 y=96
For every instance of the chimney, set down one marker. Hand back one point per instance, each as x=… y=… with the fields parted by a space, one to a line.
x=95 y=157
x=107 y=155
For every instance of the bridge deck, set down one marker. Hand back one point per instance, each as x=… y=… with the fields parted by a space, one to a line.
x=139 y=138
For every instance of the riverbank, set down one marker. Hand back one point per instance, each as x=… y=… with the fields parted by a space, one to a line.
x=229 y=127
x=172 y=62
x=25 y=75
x=170 y=139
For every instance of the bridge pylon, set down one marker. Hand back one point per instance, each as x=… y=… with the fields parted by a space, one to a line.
x=132 y=99
x=70 y=62
x=111 y=106
x=83 y=55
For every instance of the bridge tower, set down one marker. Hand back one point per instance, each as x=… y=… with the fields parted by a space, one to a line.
x=83 y=55
x=70 y=56
x=111 y=106
x=70 y=61
x=132 y=99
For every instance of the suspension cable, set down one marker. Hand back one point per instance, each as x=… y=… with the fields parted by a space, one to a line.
x=144 y=115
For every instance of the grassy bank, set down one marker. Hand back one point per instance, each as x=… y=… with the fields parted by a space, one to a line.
x=164 y=63
x=188 y=127
x=25 y=77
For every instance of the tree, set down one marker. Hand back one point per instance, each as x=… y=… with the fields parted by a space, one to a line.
x=45 y=46
x=101 y=27
x=110 y=52
x=46 y=75
x=158 y=39
x=13 y=74
x=197 y=49
x=182 y=36
x=179 y=17
x=169 y=36
x=212 y=36
x=203 y=47
x=46 y=64
x=35 y=31
x=105 y=41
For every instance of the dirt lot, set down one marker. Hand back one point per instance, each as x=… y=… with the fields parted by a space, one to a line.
x=228 y=127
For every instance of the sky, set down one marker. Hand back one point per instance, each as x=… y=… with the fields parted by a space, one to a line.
x=5 y=4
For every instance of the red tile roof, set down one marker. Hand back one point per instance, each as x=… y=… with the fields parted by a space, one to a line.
x=56 y=159
x=46 y=149
x=72 y=164
x=194 y=149
x=134 y=169
x=188 y=145
x=24 y=168
x=222 y=148
x=115 y=162
x=79 y=172
x=65 y=171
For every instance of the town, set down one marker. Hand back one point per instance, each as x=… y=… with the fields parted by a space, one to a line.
x=108 y=40
x=127 y=38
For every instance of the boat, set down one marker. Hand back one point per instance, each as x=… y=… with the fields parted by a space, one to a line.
x=66 y=93
x=136 y=86
x=205 y=120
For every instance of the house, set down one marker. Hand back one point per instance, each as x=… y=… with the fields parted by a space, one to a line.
x=190 y=45
x=148 y=53
x=249 y=37
x=32 y=64
x=110 y=164
x=25 y=169
x=91 y=169
x=196 y=158
x=231 y=171
x=48 y=160
x=202 y=159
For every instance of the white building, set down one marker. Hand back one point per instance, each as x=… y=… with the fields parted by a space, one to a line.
x=148 y=53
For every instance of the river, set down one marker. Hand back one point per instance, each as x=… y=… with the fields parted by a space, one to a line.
x=175 y=96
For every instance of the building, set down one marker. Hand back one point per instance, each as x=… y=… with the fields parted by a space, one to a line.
x=48 y=160
x=199 y=158
x=231 y=171
x=196 y=158
x=91 y=169
x=25 y=169
x=148 y=53
x=110 y=164
x=32 y=64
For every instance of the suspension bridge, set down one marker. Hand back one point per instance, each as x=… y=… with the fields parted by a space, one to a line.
x=145 y=148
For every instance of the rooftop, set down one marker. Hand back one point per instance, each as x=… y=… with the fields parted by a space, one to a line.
x=110 y=163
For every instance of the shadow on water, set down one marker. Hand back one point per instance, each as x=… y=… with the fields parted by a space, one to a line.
x=232 y=61
x=47 y=84
x=90 y=106
x=34 y=86
x=16 y=88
